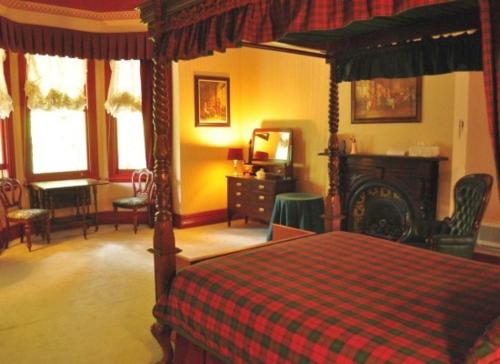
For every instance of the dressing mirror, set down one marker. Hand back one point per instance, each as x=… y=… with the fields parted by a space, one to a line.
x=272 y=148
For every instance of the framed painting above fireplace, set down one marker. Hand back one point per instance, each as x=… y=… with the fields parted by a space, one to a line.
x=384 y=100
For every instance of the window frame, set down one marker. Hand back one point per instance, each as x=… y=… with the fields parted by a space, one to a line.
x=115 y=174
x=91 y=130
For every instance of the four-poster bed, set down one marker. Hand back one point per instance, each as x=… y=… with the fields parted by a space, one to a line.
x=350 y=32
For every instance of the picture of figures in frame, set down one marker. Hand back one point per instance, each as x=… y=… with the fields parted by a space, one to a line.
x=384 y=100
x=212 y=101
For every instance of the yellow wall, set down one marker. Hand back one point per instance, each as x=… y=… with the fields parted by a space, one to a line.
x=434 y=129
x=479 y=151
x=288 y=91
x=270 y=89
x=203 y=150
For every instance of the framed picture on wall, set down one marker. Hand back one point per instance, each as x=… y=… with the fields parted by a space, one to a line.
x=384 y=100
x=212 y=104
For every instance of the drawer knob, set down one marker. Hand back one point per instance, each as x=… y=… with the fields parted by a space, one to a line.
x=238 y=193
x=262 y=197
x=261 y=209
x=238 y=205
x=261 y=187
x=239 y=184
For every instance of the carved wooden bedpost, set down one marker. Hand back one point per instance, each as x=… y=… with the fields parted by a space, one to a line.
x=164 y=249
x=332 y=215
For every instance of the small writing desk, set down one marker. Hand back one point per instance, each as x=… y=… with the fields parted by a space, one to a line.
x=75 y=193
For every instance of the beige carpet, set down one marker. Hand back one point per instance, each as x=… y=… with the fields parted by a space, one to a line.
x=89 y=301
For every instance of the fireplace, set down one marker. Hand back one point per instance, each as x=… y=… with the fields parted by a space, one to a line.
x=386 y=196
x=380 y=209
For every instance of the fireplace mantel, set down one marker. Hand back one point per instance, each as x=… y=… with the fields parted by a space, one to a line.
x=416 y=177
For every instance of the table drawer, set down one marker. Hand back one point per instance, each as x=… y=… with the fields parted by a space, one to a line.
x=262 y=211
x=262 y=187
x=237 y=185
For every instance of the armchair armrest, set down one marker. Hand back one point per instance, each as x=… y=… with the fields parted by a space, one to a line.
x=423 y=231
x=462 y=246
x=444 y=240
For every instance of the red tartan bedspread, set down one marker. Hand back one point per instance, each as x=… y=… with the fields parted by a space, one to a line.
x=334 y=298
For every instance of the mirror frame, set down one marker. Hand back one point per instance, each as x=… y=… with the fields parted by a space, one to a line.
x=288 y=161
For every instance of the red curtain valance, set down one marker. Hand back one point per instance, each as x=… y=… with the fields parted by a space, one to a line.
x=27 y=38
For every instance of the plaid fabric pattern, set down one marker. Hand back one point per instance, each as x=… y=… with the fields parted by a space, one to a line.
x=215 y=25
x=486 y=350
x=334 y=298
x=490 y=33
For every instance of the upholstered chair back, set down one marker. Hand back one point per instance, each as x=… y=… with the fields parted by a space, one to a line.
x=472 y=193
x=11 y=192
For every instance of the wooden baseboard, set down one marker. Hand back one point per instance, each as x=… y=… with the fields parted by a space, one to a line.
x=200 y=218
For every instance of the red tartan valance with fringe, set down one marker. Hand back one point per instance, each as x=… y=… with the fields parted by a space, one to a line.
x=215 y=25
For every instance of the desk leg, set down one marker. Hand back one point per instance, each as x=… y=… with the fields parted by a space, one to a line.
x=80 y=202
x=96 y=222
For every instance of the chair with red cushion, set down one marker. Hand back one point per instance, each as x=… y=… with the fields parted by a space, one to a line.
x=11 y=193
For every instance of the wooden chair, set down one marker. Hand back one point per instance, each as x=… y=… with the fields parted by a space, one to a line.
x=11 y=193
x=143 y=187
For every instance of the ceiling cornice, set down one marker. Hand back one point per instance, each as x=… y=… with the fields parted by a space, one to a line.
x=69 y=12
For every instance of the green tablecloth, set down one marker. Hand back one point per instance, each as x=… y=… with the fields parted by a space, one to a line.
x=300 y=210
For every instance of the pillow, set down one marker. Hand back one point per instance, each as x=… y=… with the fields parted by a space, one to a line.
x=486 y=349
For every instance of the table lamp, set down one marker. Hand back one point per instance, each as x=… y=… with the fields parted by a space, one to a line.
x=235 y=154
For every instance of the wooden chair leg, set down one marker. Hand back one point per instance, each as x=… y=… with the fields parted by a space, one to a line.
x=115 y=216
x=6 y=235
x=135 y=221
x=27 y=231
x=47 y=229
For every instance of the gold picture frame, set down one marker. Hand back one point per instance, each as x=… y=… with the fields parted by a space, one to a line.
x=212 y=102
x=384 y=100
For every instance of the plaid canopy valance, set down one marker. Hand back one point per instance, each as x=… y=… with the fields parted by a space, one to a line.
x=214 y=25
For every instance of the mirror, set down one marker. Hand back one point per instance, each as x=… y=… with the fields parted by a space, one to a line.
x=272 y=146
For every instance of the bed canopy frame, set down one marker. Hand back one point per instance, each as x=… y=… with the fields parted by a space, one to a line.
x=349 y=32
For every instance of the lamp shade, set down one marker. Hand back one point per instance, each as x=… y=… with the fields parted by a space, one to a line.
x=235 y=154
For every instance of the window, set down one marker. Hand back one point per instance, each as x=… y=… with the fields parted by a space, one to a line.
x=58 y=125
x=6 y=158
x=126 y=125
x=67 y=133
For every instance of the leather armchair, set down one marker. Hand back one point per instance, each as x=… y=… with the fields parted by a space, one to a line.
x=457 y=235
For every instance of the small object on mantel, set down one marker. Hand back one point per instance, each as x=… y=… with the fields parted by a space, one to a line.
x=354 y=146
x=396 y=152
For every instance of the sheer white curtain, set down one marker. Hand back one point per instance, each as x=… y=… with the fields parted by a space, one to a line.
x=55 y=89
x=55 y=83
x=124 y=104
x=124 y=94
x=5 y=99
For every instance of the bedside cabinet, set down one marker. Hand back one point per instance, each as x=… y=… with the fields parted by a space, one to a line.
x=249 y=197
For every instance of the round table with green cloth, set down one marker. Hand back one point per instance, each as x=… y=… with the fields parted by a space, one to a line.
x=300 y=210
